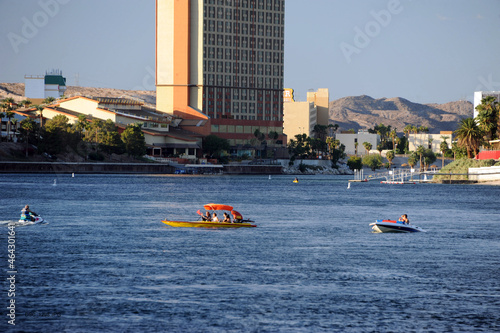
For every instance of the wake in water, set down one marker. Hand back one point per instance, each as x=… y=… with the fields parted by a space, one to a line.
x=18 y=223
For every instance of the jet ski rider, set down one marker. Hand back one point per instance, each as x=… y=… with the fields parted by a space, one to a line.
x=27 y=214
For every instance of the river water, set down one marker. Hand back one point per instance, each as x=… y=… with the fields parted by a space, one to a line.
x=104 y=262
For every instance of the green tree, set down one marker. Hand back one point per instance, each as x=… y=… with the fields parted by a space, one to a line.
x=368 y=146
x=213 y=146
x=390 y=156
x=320 y=132
x=413 y=159
x=380 y=147
x=488 y=117
x=429 y=158
x=9 y=115
x=48 y=100
x=443 y=147
x=298 y=147
x=82 y=125
x=336 y=151
x=374 y=162
x=28 y=127
x=470 y=136
x=420 y=152
x=135 y=145
x=26 y=103
x=273 y=136
x=407 y=130
x=55 y=135
x=355 y=163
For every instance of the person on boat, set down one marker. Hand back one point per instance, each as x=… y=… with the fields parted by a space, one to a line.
x=215 y=218
x=207 y=217
x=227 y=219
x=27 y=214
x=404 y=219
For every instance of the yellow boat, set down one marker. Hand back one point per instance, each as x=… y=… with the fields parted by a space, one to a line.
x=207 y=224
x=237 y=222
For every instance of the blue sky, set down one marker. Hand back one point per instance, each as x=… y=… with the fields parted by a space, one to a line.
x=427 y=51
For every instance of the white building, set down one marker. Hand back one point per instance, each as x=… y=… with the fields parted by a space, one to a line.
x=479 y=95
x=52 y=84
x=353 y=142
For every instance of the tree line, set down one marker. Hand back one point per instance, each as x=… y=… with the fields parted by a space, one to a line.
x=89 y=136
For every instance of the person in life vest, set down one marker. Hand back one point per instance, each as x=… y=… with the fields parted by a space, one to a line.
x=27 y=214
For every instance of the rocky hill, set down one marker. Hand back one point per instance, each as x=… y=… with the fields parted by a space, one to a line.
x=355 y=112
x=16 y=91
x=363 y=112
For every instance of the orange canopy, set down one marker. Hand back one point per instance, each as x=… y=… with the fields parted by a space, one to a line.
x=212 y=206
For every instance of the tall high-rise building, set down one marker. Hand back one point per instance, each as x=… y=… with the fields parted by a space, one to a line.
x=222 y=59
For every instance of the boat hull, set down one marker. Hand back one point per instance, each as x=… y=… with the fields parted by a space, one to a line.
x=207 y=224
x=385 y=226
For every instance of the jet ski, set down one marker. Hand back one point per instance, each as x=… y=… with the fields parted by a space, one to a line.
x=38 y=219
x=394 y=226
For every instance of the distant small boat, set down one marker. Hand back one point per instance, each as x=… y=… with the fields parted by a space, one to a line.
x=296 y=180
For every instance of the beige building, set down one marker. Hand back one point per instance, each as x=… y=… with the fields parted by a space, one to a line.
x=321 y=100
x=299 y=118
x=221 y=61
x=162 y=132
x=429 y=141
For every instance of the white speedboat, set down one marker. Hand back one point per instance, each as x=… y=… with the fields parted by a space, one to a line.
x=394 y=226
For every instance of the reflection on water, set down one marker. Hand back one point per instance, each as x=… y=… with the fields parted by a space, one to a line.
x=105 y=262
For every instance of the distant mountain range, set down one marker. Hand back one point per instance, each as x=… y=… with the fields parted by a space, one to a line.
x=354 y=112
x=363 y=112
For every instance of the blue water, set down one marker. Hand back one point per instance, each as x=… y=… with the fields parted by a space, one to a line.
x=104 y=262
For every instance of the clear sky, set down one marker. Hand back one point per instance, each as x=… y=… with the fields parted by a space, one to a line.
x=427 y=51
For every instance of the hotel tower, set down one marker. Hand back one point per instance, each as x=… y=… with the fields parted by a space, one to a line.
x=222 y=61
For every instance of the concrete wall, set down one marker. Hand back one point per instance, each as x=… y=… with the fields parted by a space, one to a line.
x=484 y=173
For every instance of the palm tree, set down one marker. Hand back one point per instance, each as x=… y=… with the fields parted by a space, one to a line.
x=29 y=126
x=488 y=116
x=320 y=131
x=420 y=152
x=40 y=109
x=14 y=122
x=48 y=100
x=393 y=134
x=470 y=136
x=444 y=148
x=414 y=129
x=390 y=156
x=26 y=103
x=368 y=146
x=9 y=115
